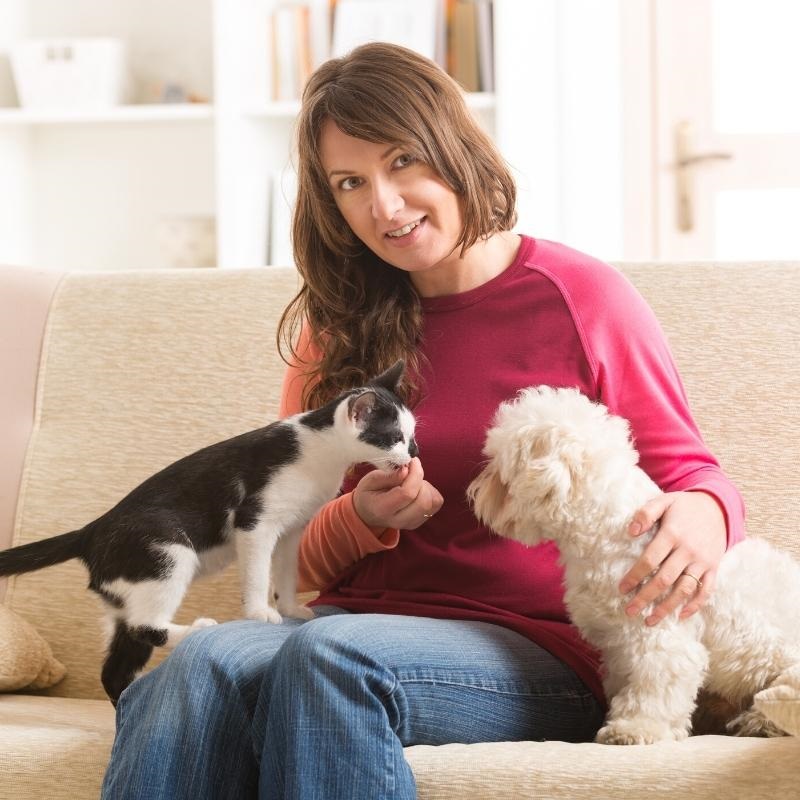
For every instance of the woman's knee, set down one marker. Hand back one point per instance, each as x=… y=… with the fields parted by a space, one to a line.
x=325 y=642
x=236 y=652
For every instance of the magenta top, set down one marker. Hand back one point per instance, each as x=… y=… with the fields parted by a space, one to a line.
x=557 y=317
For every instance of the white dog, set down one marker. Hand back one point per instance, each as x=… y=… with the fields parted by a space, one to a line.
x=562 y=468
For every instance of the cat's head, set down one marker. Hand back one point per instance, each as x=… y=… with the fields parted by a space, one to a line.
x=383 y=425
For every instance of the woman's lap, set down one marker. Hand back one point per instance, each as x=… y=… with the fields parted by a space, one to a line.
x=243 y=686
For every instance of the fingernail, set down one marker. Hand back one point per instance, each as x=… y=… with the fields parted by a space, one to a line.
x=631 y=611
x=635 y=529
x=651 y=621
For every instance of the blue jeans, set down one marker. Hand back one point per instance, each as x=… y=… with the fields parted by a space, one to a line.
x=323 y=709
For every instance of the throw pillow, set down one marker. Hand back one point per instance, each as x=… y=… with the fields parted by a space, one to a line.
x=26 y=660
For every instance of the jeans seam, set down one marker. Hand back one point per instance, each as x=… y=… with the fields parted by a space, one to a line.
x=506 y=690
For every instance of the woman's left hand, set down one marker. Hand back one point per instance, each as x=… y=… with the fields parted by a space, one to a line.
x=682 y=558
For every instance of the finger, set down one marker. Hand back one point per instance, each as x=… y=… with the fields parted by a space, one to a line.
x=650 y=513
x=683 y=590
x=702 y=594
x=651 y=559
x=377 y=480
x=662 y=581
x=426 y=504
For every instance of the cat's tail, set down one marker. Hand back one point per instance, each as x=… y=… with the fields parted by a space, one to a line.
x=36 y=555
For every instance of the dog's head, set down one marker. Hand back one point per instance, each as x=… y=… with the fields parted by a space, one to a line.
x=553 y=457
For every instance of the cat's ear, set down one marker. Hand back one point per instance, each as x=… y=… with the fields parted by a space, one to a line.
x=391 y=378
x=360 y=407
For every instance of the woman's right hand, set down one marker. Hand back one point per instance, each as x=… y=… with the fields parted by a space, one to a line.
x=398 y=499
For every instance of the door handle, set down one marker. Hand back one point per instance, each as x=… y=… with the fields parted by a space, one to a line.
x=685 y=160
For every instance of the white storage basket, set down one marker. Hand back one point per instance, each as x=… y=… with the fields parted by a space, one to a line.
x=74 y=74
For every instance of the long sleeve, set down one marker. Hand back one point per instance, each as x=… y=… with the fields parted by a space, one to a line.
x=636 y=377
x=335 y=538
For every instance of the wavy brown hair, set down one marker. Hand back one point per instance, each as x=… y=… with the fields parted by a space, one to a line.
x=364 y=314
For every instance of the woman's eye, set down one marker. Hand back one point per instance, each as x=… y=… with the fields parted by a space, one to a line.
x=404 y=159
x=349 y=184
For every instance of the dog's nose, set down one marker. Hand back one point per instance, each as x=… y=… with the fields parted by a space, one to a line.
x=413 y=450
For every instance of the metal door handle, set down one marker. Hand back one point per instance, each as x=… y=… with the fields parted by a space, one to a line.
x=685 y=159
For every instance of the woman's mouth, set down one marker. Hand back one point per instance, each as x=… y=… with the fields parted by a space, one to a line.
x=400 y=234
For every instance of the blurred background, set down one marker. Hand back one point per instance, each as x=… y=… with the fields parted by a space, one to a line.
x=138 y=133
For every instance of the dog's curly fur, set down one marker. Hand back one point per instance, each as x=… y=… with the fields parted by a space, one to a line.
x=562 y=468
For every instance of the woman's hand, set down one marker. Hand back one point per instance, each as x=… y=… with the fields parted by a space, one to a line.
x=682 y=558
x=399 y=499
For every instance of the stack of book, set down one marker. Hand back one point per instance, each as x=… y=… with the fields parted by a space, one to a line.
x=456 y=33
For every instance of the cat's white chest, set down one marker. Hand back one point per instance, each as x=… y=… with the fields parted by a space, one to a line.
x=299 y=491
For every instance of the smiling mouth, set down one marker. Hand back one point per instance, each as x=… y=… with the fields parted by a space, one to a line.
x=405 y=230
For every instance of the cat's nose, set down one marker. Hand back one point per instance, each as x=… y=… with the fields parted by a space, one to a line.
x=413 y=450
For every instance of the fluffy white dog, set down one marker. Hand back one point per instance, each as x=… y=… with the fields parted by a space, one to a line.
x=562 y=468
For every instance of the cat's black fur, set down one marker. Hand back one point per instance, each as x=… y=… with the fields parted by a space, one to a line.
x=213 y=501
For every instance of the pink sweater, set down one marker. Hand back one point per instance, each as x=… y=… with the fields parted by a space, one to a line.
x=557 y=317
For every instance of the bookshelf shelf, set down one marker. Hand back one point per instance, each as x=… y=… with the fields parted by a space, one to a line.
x=177 y=112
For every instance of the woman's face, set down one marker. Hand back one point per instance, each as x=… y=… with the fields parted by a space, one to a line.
x=397 y=206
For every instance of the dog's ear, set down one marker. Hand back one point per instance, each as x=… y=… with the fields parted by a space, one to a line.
x=488 y=495
x=551 y=466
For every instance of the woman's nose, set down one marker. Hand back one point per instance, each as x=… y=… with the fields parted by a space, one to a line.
x=386 y=200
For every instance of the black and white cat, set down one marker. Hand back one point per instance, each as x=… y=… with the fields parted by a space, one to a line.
x=248 y=497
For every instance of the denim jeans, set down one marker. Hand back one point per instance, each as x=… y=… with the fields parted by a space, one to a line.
x=323 y=709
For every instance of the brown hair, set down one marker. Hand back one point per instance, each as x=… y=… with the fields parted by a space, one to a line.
x=363 y=313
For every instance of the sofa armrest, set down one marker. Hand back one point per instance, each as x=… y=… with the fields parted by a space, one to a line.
x=25 y=297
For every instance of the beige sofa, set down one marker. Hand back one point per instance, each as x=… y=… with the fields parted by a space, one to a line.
x=107 y=377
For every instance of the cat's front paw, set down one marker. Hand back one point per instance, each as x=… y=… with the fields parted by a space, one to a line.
x=264 y=614
x=202 y=622
x=646 y=731
x=297 y=612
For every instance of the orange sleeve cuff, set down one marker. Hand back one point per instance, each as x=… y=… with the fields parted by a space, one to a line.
x=334 y=540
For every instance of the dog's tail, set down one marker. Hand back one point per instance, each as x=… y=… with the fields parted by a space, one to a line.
x=37 y=555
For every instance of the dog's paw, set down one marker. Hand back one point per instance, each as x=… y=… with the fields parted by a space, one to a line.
x=753 y=723
x=264 y=614
x=644 y=731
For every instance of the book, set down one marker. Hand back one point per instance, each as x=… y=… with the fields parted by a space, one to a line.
x=291 y=50
x=411 y=23
x=463 y=63
x=485 y=32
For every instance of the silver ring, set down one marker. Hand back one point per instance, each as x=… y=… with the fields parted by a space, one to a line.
x=697 y=580
x=427 y=516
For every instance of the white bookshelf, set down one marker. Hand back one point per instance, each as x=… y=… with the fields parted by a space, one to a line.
x=86 y=190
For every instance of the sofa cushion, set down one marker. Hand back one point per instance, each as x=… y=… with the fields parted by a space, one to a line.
x=52 y=747
x=708 y=767
x=58 y=748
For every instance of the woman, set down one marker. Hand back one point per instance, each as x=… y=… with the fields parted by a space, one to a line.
x=429 y=629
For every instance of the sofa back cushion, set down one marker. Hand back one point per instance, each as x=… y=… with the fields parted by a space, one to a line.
x=137 y=370
x=735 y=332
x=141 y=368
